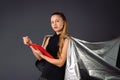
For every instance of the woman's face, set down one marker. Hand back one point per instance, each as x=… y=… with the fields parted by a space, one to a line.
x=57 y=23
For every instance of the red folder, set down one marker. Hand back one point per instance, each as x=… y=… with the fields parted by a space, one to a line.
x=39 y=47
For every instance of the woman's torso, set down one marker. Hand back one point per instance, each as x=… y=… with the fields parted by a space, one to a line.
x=51 y=71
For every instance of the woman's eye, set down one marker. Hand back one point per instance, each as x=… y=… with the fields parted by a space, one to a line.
x=52 y=22
x=57 y=21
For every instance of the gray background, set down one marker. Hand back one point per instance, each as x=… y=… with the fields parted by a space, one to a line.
x=92 y=20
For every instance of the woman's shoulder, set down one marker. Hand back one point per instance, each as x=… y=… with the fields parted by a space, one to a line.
x=46 y=36
x=67 y=36
x=46 y=39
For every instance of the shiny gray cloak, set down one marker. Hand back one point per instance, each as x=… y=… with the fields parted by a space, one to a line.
x=92 y=60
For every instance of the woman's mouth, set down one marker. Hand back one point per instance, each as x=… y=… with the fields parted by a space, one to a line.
x=55 y=27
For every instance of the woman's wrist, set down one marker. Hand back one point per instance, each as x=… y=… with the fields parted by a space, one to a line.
x=43 y=56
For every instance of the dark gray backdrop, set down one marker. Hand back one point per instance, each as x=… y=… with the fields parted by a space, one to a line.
x=92 y=20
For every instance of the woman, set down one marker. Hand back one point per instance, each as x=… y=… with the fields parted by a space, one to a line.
x=57 y=46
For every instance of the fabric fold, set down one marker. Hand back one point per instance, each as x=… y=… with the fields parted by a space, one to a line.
x=93 y=60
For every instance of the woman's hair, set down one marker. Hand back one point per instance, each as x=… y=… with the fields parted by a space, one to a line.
x=63 y=33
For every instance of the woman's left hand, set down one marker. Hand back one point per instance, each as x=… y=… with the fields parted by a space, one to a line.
x=38 y=52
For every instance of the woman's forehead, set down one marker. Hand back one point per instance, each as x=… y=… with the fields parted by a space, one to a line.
x=56 y=16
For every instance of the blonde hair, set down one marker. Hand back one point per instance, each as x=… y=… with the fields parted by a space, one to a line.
x=63 y=33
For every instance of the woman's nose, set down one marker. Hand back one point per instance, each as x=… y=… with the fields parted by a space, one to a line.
x=54 y=23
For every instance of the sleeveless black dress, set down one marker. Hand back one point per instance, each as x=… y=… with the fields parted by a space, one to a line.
x=50 y=71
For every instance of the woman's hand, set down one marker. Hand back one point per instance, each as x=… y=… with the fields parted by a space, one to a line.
x=27 y=40
x=37 y=53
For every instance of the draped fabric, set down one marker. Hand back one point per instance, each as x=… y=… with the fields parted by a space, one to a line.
x=92 y=60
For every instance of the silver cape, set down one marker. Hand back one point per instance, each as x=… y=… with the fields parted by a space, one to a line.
x=91 y=60
x=94 y=59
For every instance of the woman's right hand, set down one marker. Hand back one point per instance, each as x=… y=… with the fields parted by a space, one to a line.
x=27 y=40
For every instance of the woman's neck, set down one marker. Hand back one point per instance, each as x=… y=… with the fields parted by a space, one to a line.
x=58 y=33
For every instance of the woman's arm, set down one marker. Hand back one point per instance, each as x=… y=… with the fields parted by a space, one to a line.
x=36 y=53
x=27 y=41
x=59 y=62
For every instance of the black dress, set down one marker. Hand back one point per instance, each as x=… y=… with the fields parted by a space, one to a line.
x=50 y=71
